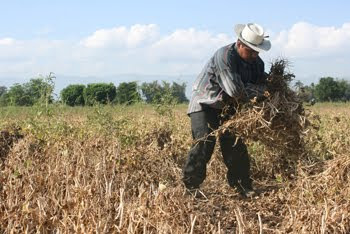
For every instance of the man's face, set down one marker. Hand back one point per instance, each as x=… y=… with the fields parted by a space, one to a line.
x=246 y=53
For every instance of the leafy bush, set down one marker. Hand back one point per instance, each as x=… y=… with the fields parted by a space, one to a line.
x=178 y=91
x=37 y=90
x=19 y=95
x=330 y=89
x=164 y=93
x=4 y=99
x=3 y=96
x=127 y=93
x=73 y=95
x=100 y=93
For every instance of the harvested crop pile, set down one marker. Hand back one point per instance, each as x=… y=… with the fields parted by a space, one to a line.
x=278 y=121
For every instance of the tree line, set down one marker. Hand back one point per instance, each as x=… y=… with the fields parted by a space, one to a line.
x=328 y=89
x=40 y=90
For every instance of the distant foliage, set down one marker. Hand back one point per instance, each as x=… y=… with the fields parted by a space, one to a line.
x=304 y=92
x=127 y=93
x=329 y=89
x=73 y=95
x=18 y=95
x=164 y=93
x=344 y=89
x=99 y=93
x=3 y=96
x=3 y=90
x=46 y=90
x=36 y=91
x=179 y=92
x=151 y=91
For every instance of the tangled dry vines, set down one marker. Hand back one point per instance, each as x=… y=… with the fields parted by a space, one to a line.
x=278 y=120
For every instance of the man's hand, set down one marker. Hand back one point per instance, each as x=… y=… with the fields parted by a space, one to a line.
x=255 y=91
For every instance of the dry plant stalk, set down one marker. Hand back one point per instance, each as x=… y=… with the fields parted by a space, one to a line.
x=278 y=121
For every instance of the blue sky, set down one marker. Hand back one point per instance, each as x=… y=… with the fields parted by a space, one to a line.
x=170 y=38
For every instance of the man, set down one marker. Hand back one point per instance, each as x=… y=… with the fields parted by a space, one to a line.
x=234 y=72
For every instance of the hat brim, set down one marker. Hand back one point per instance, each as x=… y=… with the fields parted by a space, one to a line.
x=264 y=46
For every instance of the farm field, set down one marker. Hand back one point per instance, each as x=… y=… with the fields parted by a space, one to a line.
x=116 y=169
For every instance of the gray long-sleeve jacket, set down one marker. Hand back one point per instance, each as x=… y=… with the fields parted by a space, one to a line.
x=225 y=75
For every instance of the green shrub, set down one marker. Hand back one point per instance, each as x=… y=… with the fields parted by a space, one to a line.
x=73 y=95
x=127 y=93
x=99 y=93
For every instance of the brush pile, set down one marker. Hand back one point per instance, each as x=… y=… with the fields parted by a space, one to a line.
x=278 y=121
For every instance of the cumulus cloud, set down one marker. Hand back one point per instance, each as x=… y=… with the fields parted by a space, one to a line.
x=188 y=44
x=143 y=49
x=131 y=37
x=308 y=40
x=31 y=57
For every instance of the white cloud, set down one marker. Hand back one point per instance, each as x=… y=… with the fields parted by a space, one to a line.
x=6 y=41
x=142 y=49
x=308 y=40
x=122 y=36
x=188 y=44
x=23 y=58
x=314 y=51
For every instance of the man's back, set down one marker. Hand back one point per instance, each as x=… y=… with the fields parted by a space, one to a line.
x=225 y=75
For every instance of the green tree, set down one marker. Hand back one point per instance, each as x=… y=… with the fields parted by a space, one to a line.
x=344 y=90
x=152 y=91
x=127 y=93
x=164 y=93
x=73 y=95
x=178 y=91
x=347 y=91
x=328 y=89
x=18 y=96
x=47 y=89
x=101 y=93
x=41 y=89
x=3 y=96
x=33 y=89
x=36 y=91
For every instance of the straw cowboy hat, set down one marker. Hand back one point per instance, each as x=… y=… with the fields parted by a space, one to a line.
x=253 y=36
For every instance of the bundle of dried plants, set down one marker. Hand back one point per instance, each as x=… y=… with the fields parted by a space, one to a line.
x=277 y=119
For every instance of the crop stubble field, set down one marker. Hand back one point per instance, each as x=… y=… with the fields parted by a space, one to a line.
x=118 y=169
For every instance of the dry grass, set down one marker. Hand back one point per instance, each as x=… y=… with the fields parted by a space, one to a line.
x=110 y=170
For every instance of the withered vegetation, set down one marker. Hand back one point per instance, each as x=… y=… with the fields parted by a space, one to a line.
x=278 y=120
x=112 y=170
x=7 y=139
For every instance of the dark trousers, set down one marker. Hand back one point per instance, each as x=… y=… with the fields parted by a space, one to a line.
x=235 y=155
